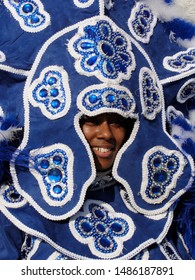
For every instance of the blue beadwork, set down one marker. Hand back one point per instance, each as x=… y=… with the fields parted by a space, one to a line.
x=161 y=169
x=151 y=99
x=50 y=93
x=29 y=12
x=100 y=226
x=181 y=62
x=103 y=51
x=142 y=22
x=108 y=97
x=187 y=91
x=10 y=195
x=53 y=169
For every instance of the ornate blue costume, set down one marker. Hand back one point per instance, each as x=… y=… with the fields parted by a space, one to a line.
x=60 y=61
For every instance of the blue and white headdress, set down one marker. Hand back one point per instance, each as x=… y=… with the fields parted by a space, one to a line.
x=100 y=60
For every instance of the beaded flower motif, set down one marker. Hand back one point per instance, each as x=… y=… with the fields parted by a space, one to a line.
x=102 y=50
x=103 y=229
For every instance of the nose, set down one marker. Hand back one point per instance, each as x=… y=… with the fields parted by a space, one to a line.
x=105 y=131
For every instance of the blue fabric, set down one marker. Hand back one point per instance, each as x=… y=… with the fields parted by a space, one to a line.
x=59 y=62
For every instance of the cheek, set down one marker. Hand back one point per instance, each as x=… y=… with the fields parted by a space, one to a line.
x=120 y=137
x=87 y=131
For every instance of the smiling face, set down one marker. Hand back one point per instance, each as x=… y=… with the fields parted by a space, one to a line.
x=105 y=134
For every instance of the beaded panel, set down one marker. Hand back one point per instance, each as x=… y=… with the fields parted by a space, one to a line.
x=102 y=229
x=51 y=92
x=161 y=169
x=100 y=48
x=186 y=91
x=52 y=166
x=142 y=22
x=180 y=62
x=29 y=13
x=103 y=98
x=150 y=94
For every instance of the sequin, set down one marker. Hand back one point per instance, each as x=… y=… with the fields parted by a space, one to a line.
x=103 y=51
x=102 y=228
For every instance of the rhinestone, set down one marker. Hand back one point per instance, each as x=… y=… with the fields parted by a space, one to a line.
x=27 y=8
x=160 y=176
x=57 y=189
x=55 y=175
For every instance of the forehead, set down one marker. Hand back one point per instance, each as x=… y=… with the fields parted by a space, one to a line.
x=109 y=117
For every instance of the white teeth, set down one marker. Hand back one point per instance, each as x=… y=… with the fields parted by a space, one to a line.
x=102 y=150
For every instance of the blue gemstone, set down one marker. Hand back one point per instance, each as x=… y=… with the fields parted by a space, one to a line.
x=34 y=19
x=92 y=60
x=52 y=81
x=55 y=103
x=156 y=190
x=171 y=165
x=105 y=242
x=188 y=57
x=57 y=160
x=43 y=92
x=160 y=176
x=143 y=21
x=99 y=213
x=87 y=227
x=146 y=14
x=105 y=30
x=44 y=164
x=124 y=102
x=119 y=41
x=54 y=92
x=87 y=45
x=55 y=175
x=110 y=67
x=107 y=49
x=148 y=82
x=57 y=189
x=157 y=162
x=27 y=8
x=100 y=227
x=110 y=98
x=93 y=98
x=116 y=227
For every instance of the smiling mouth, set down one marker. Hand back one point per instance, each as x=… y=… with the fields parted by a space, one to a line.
x=102 y=150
